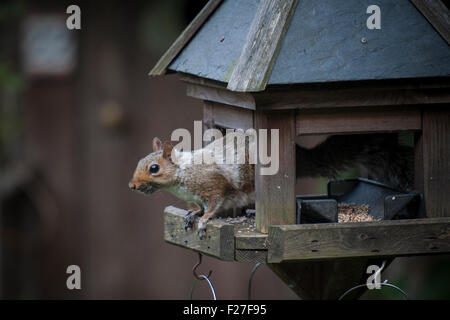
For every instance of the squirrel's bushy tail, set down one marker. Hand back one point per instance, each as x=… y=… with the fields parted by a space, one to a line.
x=381 y=155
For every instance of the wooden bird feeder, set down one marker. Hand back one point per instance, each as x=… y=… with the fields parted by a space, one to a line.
x=313 y=67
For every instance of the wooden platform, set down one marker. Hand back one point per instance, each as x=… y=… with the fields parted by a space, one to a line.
x=231 y=242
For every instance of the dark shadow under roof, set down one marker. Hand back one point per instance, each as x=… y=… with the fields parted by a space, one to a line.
x=323 y=43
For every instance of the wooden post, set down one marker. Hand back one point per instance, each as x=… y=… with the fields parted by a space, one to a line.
x=218 y=115
x=208 y=115
x=275 y=194
x=436 y=163
x=264 y=38
x=418 y=162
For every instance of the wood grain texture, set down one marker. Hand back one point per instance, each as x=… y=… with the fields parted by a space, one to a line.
x=357 y=120
x=219 y=240
x=208 y=116
x=252 y=256
x=162 y=64
x=356 y=95
x=275 y=194
x=192 y=79
x=251 y=241
x=383 y=238
x=436 y=161
x=408 y=93
x=239 y=99
x=437 y=14
x=418 y=162
x=224 y=116
x=262 y=45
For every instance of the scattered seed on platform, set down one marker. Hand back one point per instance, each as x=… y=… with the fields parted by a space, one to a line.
x=350 y=212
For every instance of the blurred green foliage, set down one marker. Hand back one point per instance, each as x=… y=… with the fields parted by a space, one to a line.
x=159 y=25
x=11 y=81
x=433 y=283
x=12 y=10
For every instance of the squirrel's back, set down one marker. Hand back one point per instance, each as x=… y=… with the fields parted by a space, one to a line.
x=220 y=170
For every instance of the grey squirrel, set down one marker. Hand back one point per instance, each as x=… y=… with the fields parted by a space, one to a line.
x=217 y=187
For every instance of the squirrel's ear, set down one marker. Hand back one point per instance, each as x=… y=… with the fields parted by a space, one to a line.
x=157 y=144
x=167 y=150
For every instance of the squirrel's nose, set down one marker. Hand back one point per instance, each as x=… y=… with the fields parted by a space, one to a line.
x=132 y=186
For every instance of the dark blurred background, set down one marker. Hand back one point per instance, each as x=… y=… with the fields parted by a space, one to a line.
x=77 y=111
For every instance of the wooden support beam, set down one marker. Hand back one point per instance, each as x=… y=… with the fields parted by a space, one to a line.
x=251 y=247
x=219 y=241
x=418 y=162
x=251 y=241
x=262 y=45
x=354 y=95
x=208 y=116
x=221 y=95
x=220 y=115
x=275 y=194
x=252 y=256
x=423 y=93
x=357 y=120
x=437 y=14
x=370 y=239
x=436 y=161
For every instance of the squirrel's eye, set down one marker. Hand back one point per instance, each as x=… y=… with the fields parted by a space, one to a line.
x=154 y=168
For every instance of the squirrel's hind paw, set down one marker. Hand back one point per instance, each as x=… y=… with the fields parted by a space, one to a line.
x=201 y=228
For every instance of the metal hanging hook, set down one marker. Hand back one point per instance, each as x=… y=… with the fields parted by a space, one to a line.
x=194 y=269
x=384 y=283
x=378 y=272
x=249 y=289
x=194 y=283
x=201 y=277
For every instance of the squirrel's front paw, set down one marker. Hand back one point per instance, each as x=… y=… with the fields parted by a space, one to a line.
x=201 y=233
x=189 y=220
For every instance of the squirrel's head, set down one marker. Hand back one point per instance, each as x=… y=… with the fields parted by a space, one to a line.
x=156 y=170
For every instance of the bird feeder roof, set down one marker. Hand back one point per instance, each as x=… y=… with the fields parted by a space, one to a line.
x=250 y=44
